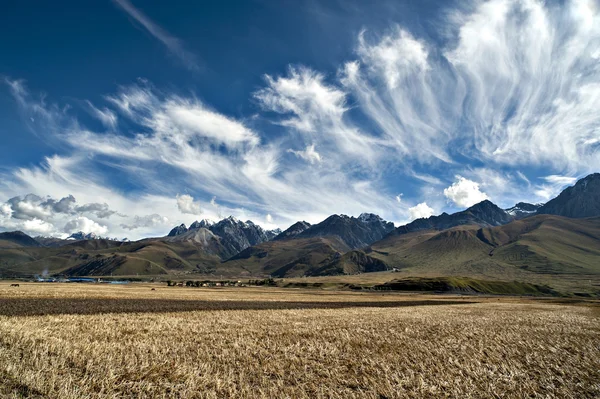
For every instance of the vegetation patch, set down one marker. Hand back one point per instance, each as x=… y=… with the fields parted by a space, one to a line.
x=467 y=285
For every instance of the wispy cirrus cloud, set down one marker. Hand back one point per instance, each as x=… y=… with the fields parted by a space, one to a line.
x=317 y=112
x=107 y=117
x=214 y=155
x=309 y=154
x=172 y=43
x=512 y=89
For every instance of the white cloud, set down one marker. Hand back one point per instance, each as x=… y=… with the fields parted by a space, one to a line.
x=533 y=89
x=395 y=56
x=174 y=118
x=399 y=198
x=523 y=177
x=408 y=108
x=269 y=218
x=186 y=204
x=317 y=110
x=419 y=211
x=464 y=192
x=520 y=87
x=153 y=220
x=560 y=180
x=64 y=205
x=504 y=188
x=6 y=211
x=28 y=207
x=81 y=223
x=309 y=154
x=195 y=118
x=37 y=226
x=173 y=44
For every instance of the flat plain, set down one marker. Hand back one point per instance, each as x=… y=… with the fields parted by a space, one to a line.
x=101 y=341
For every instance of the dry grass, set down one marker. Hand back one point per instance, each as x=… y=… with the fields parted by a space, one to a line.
x=494 y=348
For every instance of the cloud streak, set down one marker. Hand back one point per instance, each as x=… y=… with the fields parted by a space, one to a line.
x=173 y=44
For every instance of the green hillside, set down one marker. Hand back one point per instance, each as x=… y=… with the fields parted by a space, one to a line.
x=103 y=258
x=541 y=248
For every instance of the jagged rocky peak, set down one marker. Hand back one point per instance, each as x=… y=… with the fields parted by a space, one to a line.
x=355 y=232
x=181 y=229
x=80 y=235
x=204 y=223
x=369 y=217
x=93 y=236
x=231 y=219
x=271 y=234
x=523 y=209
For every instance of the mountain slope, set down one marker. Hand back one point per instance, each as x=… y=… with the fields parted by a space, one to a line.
x=579 y=201
x=532 y=248
x=483 y=214
x=286 y=258
x=354 y=232
x=15 y=239
x=353 y=262
x=293 y=231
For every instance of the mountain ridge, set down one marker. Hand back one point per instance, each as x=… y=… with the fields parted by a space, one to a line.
x=578 y=201
x=482 y=240
x=483 y=214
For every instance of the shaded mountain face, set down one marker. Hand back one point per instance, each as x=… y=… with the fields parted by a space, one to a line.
x=523 y=209
x=293 y=231
x=355 y=232
x=579 y=201
x=18 y=238
x=237 y=235
x=484 y=214
x=287 y=258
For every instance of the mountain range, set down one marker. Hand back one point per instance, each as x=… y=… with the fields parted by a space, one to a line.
x=527 y=241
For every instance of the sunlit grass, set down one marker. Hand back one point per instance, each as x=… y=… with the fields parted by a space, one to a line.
x=495 y=348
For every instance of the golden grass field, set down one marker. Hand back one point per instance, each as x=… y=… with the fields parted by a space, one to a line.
x=106 y=341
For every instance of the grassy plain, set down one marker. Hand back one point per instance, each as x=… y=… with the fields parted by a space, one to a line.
x=99 y=341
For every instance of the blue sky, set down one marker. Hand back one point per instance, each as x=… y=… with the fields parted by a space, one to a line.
x=125 y=118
